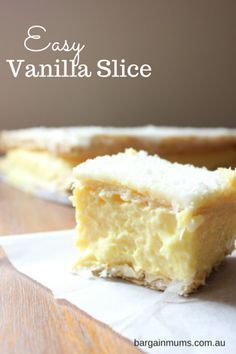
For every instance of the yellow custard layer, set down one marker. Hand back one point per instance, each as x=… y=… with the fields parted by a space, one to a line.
x=135 y=238
x=32 y=169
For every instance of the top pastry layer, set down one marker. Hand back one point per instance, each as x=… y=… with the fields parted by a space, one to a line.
x=181 y=186
x=65 y=140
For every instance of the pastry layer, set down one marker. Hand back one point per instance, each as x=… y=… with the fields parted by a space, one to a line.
x=146 y=235
x=223 y=156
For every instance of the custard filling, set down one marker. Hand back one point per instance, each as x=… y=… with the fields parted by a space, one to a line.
x=136 y=237
x=35 y=169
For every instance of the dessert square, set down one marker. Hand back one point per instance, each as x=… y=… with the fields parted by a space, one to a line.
x=40 y=160
x=152 y=222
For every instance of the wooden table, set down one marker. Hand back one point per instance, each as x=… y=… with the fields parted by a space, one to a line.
x=31 y=320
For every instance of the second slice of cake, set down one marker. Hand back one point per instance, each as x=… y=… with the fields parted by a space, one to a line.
x=151 y=221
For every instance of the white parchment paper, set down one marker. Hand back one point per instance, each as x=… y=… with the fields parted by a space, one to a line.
x=131 y=310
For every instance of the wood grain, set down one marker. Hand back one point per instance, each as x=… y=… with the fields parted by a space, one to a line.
x=23 y=213
x=31 y=320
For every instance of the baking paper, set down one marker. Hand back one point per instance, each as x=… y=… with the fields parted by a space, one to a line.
x=135 y=312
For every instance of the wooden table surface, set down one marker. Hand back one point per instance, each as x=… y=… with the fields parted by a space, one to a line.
x=31 y=320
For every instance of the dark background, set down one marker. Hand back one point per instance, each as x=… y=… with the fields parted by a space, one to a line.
x=189 y=44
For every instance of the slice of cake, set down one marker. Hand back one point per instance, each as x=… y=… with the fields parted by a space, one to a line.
x=40 y=160
x=151 y=221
